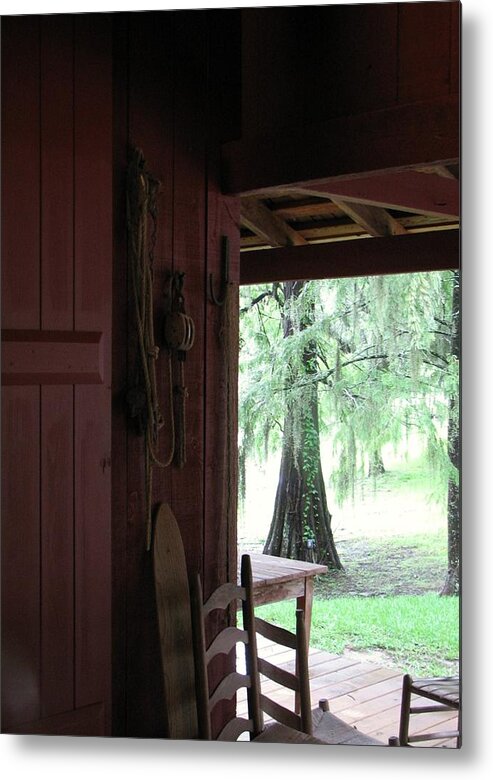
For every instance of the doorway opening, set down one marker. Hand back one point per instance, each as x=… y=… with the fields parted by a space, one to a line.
x=349 y=456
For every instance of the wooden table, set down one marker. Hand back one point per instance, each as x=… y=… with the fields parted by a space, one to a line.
x=278 y=579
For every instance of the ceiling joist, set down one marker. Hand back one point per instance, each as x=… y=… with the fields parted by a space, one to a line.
x=269 y=226
x=434 y=251
x=376 y=221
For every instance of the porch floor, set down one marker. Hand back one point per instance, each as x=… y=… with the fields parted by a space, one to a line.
x=363 y=694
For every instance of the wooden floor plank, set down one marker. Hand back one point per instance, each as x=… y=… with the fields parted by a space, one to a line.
x=364 y=695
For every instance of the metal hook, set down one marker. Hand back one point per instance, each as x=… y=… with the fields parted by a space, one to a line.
x=219 y=301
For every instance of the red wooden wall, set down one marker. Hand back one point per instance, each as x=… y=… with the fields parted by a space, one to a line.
x=56 y=368
x=171 y=90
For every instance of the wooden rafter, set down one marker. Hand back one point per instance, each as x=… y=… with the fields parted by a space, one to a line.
x=439 y=170
x=412 y=191
x=434 y=251
x=264 y=223
x=376 y=221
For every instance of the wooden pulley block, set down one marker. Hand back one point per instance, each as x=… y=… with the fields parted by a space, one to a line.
x=179 y=331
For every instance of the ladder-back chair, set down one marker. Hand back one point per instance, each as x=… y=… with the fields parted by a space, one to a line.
x=222 y=644
x=290 y=728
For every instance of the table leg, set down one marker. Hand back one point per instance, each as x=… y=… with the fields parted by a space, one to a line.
x=305 y=603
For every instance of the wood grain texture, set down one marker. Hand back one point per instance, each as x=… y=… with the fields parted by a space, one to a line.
x=222 y=597
x=189 y=237
x=375 y=220
x=57 y=172
x=268 y=225
x=413 y=191
x=92 y=302
x=85 y=722
x=279 y=733
x=55 y=355
x=225 y=641
x=119 y=370
x=175 y=626
x=57 y=550
x=148 y=118
x=21 y=673
x=34 y=357
x=436 y=251
x=20 y=172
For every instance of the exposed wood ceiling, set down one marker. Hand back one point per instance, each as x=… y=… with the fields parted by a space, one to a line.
x=405 y=202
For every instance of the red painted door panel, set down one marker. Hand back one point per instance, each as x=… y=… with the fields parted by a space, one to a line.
x=56 y=399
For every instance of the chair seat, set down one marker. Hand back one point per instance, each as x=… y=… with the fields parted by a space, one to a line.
x=331 y=730
x=443 y=693
x=444 y=690
x=279 y=733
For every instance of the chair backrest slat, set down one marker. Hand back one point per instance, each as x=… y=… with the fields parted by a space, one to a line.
x=280 y=713
x=275 y=633
x=225 y=641
x=234 y=728
x=278 y=675
x=223 y=596
x=228 y=687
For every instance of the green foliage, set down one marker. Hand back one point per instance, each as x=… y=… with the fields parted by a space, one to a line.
x=419 y=633
x=377 y=352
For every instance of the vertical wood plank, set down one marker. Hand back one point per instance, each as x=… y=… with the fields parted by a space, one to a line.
x=20 y=405
x=221 y=382
x=20 y=556
x=57 y=614
x=57 y=198
x=119 y=375
x=150 y=123
x=189 y=258
x=424 y=50
x=20 y=172
x=455 y=32
x=57 y=204
x=92 y=427
x=221 y=392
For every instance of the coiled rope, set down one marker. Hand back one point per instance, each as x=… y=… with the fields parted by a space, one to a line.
x=142 y=191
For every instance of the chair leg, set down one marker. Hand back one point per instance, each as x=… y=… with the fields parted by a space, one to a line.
x=405 y=707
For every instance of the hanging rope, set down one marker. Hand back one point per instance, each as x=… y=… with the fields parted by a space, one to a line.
x=143 y=399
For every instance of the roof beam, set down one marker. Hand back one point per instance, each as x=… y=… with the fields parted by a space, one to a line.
x=434 y=251
x=264 y=223
x=398 y=138
x=376 y=221
x=419 y=193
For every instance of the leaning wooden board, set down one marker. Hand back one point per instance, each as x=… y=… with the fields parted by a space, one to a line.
x=175 y=626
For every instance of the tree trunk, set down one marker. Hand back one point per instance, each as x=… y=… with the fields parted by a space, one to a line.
x=452 y=581
x=301 y=522
x=376 y=467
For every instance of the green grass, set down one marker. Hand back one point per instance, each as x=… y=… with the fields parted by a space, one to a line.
x=420 y=634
